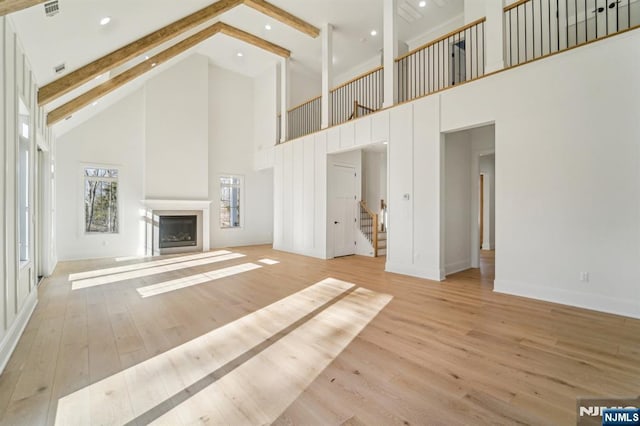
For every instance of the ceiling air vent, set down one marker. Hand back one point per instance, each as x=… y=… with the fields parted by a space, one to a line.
x=51 y=8
x=59 y=68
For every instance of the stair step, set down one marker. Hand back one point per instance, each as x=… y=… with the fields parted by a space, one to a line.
x=382 y=244
x=382 y=236
x=382 y=252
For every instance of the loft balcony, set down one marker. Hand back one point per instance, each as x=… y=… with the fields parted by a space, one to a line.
x=531 y=30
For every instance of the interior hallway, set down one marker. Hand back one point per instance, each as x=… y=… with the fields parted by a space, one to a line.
x=178 y=340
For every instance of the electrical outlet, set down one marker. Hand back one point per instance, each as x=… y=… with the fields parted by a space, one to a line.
x=584 y=277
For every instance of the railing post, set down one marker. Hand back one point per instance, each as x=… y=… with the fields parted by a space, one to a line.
x=494 y=35
x=375 y=235
x=327 y=75
x=284 y=99
x=390 y=12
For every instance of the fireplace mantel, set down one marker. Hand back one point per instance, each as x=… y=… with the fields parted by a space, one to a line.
x=177 y=204
x=176 y=207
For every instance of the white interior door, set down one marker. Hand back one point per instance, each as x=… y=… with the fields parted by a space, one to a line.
x=343 y=212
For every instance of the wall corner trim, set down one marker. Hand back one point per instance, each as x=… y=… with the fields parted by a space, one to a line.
x=10 y=340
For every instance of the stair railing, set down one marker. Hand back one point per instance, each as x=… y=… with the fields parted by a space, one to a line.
x=369 y=226
x=360 y=110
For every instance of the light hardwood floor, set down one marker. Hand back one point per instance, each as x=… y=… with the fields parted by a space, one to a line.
x=281 y=343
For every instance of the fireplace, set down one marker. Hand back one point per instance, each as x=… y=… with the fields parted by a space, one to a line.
x=188 y=226
x=177 y=231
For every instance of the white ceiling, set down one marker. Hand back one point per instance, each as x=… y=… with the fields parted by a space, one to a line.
x=75 y=37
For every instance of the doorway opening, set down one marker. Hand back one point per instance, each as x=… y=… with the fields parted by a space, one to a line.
x=458 y=63
x=468 y=207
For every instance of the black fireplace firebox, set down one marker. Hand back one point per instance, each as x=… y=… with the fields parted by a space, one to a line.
x=178 y=231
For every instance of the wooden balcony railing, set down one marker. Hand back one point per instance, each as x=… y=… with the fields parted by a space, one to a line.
x=533 y=29
x=357 y=97
x=537 y=28
x=449 y=60
x=304 y=119
x=369 y=226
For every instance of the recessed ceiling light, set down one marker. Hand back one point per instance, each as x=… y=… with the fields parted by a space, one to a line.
x=146 y=57
x=422 y=3
x=105 y=20
x=267 y=27
x=95 y=103
x=374 y=33
x=240 y=54
x=154 y=64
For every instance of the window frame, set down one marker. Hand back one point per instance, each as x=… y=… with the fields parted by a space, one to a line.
x=241 y=201
x=81 y=192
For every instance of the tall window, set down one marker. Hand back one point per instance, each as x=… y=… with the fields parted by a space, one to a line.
x=101 y=200
x=24 y=182
x=230 y=201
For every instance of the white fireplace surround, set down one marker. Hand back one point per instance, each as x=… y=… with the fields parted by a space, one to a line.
x=177 y=207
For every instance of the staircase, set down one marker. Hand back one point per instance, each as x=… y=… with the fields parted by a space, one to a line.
x=370 y=228
x=381 y=250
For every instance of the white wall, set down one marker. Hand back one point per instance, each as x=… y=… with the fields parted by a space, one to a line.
x=300 y=182
x=436 y=32
x=18 y=293
x=565 y=135
x=231 y=151
x=487 y=168
x=189 y=120
x=457 y=205
x=303 y=86
x=265 y=95
x=374 y=178
x=115 y=137
x=567 y=175
x=474 y=9
x=176 y=123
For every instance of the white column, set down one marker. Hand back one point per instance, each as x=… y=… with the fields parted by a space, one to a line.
x=327 y=74
x=494 y=37
x=284 y=99
x=390 y=11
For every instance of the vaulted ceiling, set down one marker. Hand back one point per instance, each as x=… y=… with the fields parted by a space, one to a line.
x=75 y=37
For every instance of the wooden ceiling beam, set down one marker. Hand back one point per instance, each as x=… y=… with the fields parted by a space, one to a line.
x=10 y=6
x=283 y=16
x=75 y=79
x=256 y=41
x=114 y=83
x=120 y=80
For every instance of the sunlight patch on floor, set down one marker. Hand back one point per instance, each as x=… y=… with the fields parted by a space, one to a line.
x=144 y=265
x=261 y=389
x=268 y=261
x=172 y=285
x=306 y=331
x=109 y=279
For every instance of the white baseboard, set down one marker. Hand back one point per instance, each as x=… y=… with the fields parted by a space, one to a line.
x=487 y=247
x=624 y=307
x=414 y=271
x=459 y=266
x=10 y=340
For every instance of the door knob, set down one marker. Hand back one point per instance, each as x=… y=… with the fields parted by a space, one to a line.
x=335 y=222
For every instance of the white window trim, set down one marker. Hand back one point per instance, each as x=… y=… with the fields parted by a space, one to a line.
x=80 y=193
x=242 y=201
